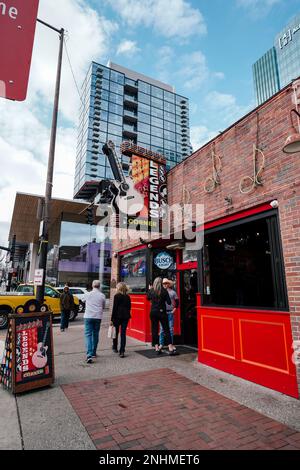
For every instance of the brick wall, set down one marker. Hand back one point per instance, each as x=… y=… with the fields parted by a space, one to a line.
x=267 y=127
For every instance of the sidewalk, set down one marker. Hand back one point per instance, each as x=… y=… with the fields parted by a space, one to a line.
x=138 y=403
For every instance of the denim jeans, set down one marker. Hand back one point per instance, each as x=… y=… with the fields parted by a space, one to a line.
x=91 y=331
x=123 y=324
x=171 y=327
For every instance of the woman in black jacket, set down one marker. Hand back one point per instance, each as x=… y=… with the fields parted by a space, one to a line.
x=159 y=297
x=121 y=316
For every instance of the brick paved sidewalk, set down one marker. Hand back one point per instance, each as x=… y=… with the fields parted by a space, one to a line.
x=161 y=410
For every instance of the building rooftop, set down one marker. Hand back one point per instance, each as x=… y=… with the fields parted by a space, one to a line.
x=138 y=76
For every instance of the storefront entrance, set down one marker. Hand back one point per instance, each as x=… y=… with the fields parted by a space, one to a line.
x=188 y=307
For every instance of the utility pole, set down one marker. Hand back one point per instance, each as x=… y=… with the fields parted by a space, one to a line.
x=12 y=251
x=44 y=240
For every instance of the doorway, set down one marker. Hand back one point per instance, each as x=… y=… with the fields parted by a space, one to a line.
x=189 y=323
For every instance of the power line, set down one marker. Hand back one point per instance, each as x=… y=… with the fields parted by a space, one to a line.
x=72 y=70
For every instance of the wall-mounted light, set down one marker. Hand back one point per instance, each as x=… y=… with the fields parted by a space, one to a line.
x=115 y=255
x=292 y=144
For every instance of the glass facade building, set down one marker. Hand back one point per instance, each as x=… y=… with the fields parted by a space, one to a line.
x=280 y=65
x=121 y=105
x=266 y=76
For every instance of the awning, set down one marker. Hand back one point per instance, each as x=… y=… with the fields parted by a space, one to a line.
x=25 y=223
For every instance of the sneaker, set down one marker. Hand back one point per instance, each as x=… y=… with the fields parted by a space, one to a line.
x=62 y=331
x=89 y=360
x=158 y=352
x=122 y=355
x=115 y=351
x=94 y=356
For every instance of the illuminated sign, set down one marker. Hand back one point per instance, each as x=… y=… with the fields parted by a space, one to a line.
x=163 y=261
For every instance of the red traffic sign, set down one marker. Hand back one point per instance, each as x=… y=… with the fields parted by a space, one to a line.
x=17 y=30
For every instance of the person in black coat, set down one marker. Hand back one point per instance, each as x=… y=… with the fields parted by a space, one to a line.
x=159 y=297
x=120 y=316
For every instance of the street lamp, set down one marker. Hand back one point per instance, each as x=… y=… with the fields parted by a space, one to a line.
x=44 y=239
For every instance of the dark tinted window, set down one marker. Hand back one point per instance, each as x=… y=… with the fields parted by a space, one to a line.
x=243 y=266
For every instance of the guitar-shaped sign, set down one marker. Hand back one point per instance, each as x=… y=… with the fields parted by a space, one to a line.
x=129 y=200
x=40 y=359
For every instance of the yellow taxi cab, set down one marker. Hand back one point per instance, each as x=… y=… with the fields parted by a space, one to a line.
x=23 y=300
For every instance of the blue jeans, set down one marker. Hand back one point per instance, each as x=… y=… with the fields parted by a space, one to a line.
x=171 y=326
x=91 y=331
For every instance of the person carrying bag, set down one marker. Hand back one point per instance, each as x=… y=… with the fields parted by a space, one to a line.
x=121 y=314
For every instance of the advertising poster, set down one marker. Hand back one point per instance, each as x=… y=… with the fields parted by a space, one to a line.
x=28 y=359
x=33 y=349
x=150 y=180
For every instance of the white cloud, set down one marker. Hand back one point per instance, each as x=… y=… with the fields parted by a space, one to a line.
x=175 y=19
x=25 y=127
x=128 y=48
x=200 y=135
x=194 y=71
x=258 y=8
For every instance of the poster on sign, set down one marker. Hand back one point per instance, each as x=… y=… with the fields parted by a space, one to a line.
x=30 y=364
x=17 y=26
x=150 y=180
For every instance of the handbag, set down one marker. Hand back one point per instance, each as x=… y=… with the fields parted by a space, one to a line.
x=112 y=334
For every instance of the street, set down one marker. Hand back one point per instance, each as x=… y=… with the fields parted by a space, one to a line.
x=113 y=403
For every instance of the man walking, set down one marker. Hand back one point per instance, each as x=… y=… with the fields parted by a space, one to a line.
x=66 y=305
x=94 y=307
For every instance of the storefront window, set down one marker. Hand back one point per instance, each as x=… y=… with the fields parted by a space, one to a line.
x=164 y=264
x=189 y=256
x=133 y=271
x=243 y=265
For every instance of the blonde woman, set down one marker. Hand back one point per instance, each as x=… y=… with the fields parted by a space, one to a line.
x=159 y=298
x=121 y=316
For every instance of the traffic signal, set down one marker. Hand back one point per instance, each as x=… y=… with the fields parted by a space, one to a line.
x=90 y=216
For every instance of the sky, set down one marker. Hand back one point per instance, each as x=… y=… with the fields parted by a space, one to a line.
x=205 y=48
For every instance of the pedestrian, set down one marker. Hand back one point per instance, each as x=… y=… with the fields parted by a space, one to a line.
x=121 y=316
x=159 y=297
x=66 y=305
x=171 y=310
x=94 y=308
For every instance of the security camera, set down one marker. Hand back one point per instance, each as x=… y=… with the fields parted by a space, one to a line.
x=274 y=204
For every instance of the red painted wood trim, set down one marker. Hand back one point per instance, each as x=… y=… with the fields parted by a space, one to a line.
x=238 y=216
x=132 y=250
x=187 y=266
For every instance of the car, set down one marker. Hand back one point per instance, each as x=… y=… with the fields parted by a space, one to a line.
x=23 y=300
x=80 y=293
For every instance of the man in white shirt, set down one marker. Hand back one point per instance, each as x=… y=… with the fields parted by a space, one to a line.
x=94 y=307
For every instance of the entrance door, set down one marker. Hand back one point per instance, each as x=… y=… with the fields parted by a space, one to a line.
x=189 y=289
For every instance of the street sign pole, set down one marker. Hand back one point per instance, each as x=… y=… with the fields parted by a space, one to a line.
x=44 y=240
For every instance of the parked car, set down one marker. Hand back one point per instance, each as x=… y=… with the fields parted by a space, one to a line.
x=80 y=293
x=24 y=301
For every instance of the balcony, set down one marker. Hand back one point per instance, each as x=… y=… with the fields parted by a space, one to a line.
x=130 y=85
x=130 y=115
x=130 y=100
x=129 y=131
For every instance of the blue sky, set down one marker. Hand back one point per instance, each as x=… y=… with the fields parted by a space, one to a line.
x=204 y=48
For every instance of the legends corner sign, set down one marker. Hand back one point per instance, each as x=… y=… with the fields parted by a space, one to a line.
x=17 y=30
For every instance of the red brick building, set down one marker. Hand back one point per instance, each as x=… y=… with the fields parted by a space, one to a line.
x=240 y=294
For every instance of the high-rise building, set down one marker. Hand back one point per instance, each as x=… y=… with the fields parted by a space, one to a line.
x=280 y=65
x=266 y=76
x=120 y=105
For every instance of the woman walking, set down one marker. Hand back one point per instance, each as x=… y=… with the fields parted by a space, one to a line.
x=159 y=298
x=121 y=316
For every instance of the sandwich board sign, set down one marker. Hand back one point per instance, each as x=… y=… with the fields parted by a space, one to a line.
x=17 y=31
